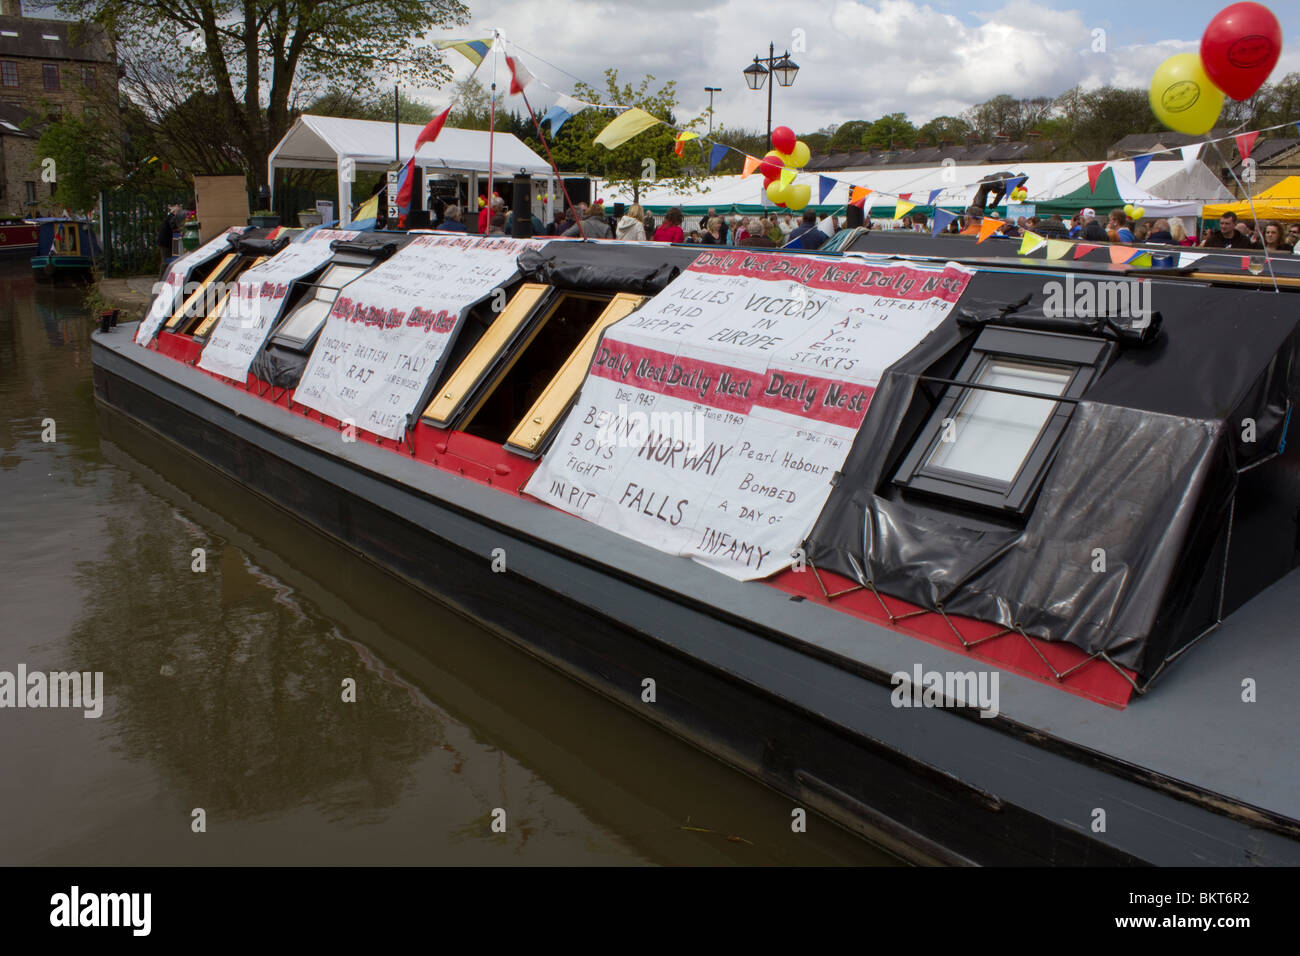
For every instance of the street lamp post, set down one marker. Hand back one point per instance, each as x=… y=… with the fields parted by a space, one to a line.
x=711 y=90
x=783 y=69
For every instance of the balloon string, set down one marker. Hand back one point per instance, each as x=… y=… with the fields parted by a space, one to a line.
x=1250 y=201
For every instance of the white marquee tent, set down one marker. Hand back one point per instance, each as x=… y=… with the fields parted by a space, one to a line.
x=1167 y=187
x=332 y=142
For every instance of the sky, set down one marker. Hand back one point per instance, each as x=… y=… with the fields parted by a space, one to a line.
x=858 y=59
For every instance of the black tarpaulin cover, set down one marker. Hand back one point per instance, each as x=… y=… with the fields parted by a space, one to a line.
x=1147 y=471
x=594 y=266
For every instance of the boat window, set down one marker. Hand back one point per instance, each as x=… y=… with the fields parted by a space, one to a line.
x=215 y=312
x=497 y=340
x=995 y=428
x=520 y=376
x=191 y=310
x=541 y=420
x=306 y=320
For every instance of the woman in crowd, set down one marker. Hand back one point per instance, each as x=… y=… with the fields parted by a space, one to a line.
x=1274 y=241
x=671 y=230
x=712 y=232
x=1179 y=233
x=632 y=226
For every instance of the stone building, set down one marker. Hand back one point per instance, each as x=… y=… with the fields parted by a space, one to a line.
x=48 y=69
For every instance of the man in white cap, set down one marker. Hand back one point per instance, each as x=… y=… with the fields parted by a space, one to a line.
x=1080 y=220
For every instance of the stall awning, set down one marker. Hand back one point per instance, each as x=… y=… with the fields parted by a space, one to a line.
x=1279 y=201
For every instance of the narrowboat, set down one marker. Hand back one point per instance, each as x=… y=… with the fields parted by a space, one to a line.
x=65 y=247
x=17 y=237
x=988 y=558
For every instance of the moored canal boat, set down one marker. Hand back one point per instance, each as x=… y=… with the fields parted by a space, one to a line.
x=957 y=518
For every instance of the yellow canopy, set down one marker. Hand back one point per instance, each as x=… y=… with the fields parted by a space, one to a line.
x=1279 y=201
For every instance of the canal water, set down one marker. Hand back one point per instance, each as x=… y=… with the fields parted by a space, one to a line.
x=224 y=737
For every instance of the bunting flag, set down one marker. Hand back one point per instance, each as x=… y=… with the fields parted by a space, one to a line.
x=557 y=117
x=1120 y=254
x=905 y=196
x=623 y=127
x=1015 y=182
x=1031 y=242
x=472 y=50
x=1141 y=261
x=941 y=220
x=858 y=195
x=519 y=76
x=1094 y=171
x=824 y=186
x=787 y=175
x=432 y=129
x=404 y=182
x=751 y=164
x=682 y=140
x=1186 y=259
x=1245 y=142
x=1083 y=248
x=1189 y=154
x=1057 y=248
x=902 y=208
x=988 y=227
x=1140 y=164
x=934 y=194
x=716 y=155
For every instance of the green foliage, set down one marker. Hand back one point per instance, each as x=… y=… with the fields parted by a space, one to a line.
x=942 y=129
x=887 y=130
x=83 y=163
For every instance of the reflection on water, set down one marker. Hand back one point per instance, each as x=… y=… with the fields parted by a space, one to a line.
x=225 y=686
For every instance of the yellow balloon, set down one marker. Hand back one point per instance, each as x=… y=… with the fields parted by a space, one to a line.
x=800 y=154
x=1138 y=212
x=797 y=196
x=776 y=191
x=1182 y=96
x=1128 y=209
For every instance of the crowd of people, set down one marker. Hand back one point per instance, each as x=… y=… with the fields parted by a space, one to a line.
x=633 y=223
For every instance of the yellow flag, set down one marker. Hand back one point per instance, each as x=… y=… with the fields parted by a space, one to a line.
x=787 y=175
x=903 y=208
x=624 y=127
x=1056 y=248
x=1030 y=242
x=368 y=209
x=1142 y=262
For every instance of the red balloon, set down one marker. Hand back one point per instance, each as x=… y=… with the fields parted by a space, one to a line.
x=1240 y=47
x=770 y=167
x=783 y=138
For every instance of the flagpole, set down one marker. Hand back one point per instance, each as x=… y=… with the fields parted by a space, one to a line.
x=492 y=123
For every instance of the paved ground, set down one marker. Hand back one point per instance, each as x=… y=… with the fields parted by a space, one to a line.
x=130 y=295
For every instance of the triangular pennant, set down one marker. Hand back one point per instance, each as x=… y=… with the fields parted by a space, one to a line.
x=787 y=175
x=557 y=116
x=1186 y=259
x=905 y=196
x=1189 y=154
x=902 y=208
x=827 y=226
x=824 y=186
x=519 y=75
x=751 y=164
x=682 y=140
x=716 y=155
x=1015 y=182
x=941 y=220
x=1030 y=242
x=432 y=129
x=1120 y=254
x=987 y=228
x=1057 y=248
x=1245 y=142
x=1094 y=171
x=623 y=127
x=1083 y=248
x=934 y=194
x=1140 y=164
x=472 y=50
x=858 y=194
x=1141 y=261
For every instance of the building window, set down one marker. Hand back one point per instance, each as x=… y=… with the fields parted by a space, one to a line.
x=30 y=186
x=50 y=72
x=991 y=437
x=8 y=73
x=88 y=77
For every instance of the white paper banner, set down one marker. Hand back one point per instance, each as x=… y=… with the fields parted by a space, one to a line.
x=256 y=301
x=713 y=417
x=169 y=292
x=389 y=329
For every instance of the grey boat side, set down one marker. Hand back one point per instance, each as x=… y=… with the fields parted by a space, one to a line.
x=795 y=694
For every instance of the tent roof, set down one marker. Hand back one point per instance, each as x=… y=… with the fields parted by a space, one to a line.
x=1279 y=201
x=1113 y=190
x=321 y=142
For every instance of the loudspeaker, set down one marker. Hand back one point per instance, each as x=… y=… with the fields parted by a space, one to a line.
x=522 y=207
x=854 y=216
x=579 y=189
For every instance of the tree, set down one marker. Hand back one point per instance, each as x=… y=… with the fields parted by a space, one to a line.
x=648 y=156
x=944 y=129
x=888 y=129
x=84 y=163
x=1007 y=116
x=257 y=57
x=848 y=136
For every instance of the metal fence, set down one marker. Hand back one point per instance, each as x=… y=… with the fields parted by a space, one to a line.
x=132 y=219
